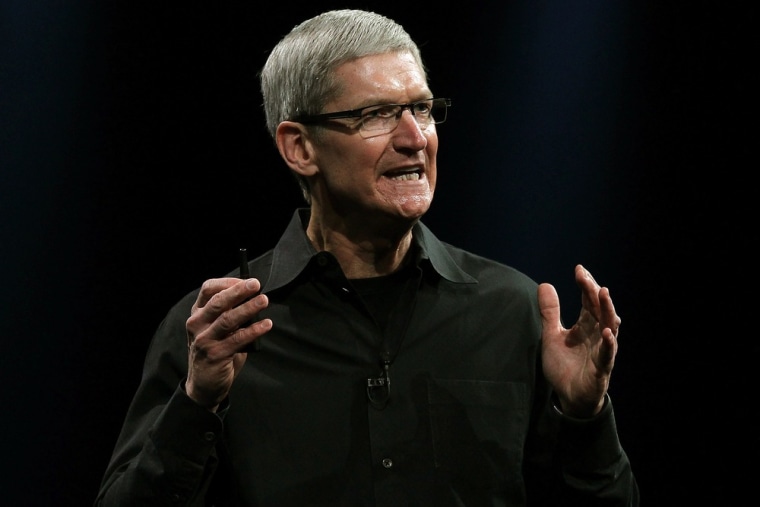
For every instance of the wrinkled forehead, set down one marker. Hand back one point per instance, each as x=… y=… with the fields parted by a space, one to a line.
x=380 y=77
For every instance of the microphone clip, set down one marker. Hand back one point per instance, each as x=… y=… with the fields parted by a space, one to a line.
x=379 y=388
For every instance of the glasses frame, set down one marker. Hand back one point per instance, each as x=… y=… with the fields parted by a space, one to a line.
x=357 y=113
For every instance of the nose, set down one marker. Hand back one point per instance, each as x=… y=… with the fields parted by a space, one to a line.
x=408 y=132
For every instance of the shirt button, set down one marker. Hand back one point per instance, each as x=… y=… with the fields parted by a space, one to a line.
x=322 y=260
x=209 y=436
x=387 y=463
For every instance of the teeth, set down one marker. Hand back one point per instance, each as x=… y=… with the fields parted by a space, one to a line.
x=406 y=177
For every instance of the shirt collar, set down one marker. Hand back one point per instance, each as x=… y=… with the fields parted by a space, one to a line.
x=432 y=249
x=294 y=251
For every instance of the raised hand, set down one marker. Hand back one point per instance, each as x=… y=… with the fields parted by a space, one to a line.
x=578 y=361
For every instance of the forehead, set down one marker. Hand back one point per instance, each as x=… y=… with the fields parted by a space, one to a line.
x=393 y=77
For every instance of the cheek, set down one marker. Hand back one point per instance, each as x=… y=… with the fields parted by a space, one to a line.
x=431 y=152
x=349 y=165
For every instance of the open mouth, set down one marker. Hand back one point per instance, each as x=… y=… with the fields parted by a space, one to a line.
x=405 y=175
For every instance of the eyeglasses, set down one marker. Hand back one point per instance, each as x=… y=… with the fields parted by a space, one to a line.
x=384 y=118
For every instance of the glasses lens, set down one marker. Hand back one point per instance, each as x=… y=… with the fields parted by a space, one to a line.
x=438 y=110
x=378 y=120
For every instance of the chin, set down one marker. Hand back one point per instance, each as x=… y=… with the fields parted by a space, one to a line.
x=414 y=210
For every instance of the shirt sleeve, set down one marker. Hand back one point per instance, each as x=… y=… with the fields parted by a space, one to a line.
x=589 y=462
x=166 y=451
x=171 y=465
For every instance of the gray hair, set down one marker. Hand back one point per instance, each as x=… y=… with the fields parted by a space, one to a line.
x=297 y=78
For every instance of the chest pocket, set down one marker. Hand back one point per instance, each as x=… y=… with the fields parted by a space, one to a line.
x=478 y=430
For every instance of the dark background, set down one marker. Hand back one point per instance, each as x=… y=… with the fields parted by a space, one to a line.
x=134 y=163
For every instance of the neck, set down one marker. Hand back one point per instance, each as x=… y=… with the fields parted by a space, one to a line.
x=363 y=250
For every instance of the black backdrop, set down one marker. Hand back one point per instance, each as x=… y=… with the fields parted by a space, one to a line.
x=135 y=163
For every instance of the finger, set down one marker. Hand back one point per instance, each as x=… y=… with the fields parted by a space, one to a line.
x=234 y=291
x=248 y=336
x=607 y=351
x=232 y=309
x=609 y=317
x=589 y=291
x=548 y=305
x=239 y=340
x=232 y=331
x=240 y=316
x=210 y=288
x=205 y=322
x=584 y=274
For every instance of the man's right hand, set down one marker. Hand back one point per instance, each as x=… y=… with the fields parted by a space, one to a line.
x=218 y=336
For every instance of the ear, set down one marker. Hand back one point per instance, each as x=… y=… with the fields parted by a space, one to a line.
x=296 y=147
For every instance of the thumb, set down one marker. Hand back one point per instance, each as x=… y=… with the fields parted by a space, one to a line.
x=548 y=305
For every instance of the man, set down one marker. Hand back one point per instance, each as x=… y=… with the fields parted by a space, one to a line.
x=366 y=363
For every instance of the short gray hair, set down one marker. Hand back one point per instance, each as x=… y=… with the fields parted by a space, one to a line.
x=297 y=78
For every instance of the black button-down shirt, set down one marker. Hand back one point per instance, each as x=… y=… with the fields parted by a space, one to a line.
x=422 y=389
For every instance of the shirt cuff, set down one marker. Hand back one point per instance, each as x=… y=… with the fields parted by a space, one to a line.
x=557 y=410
